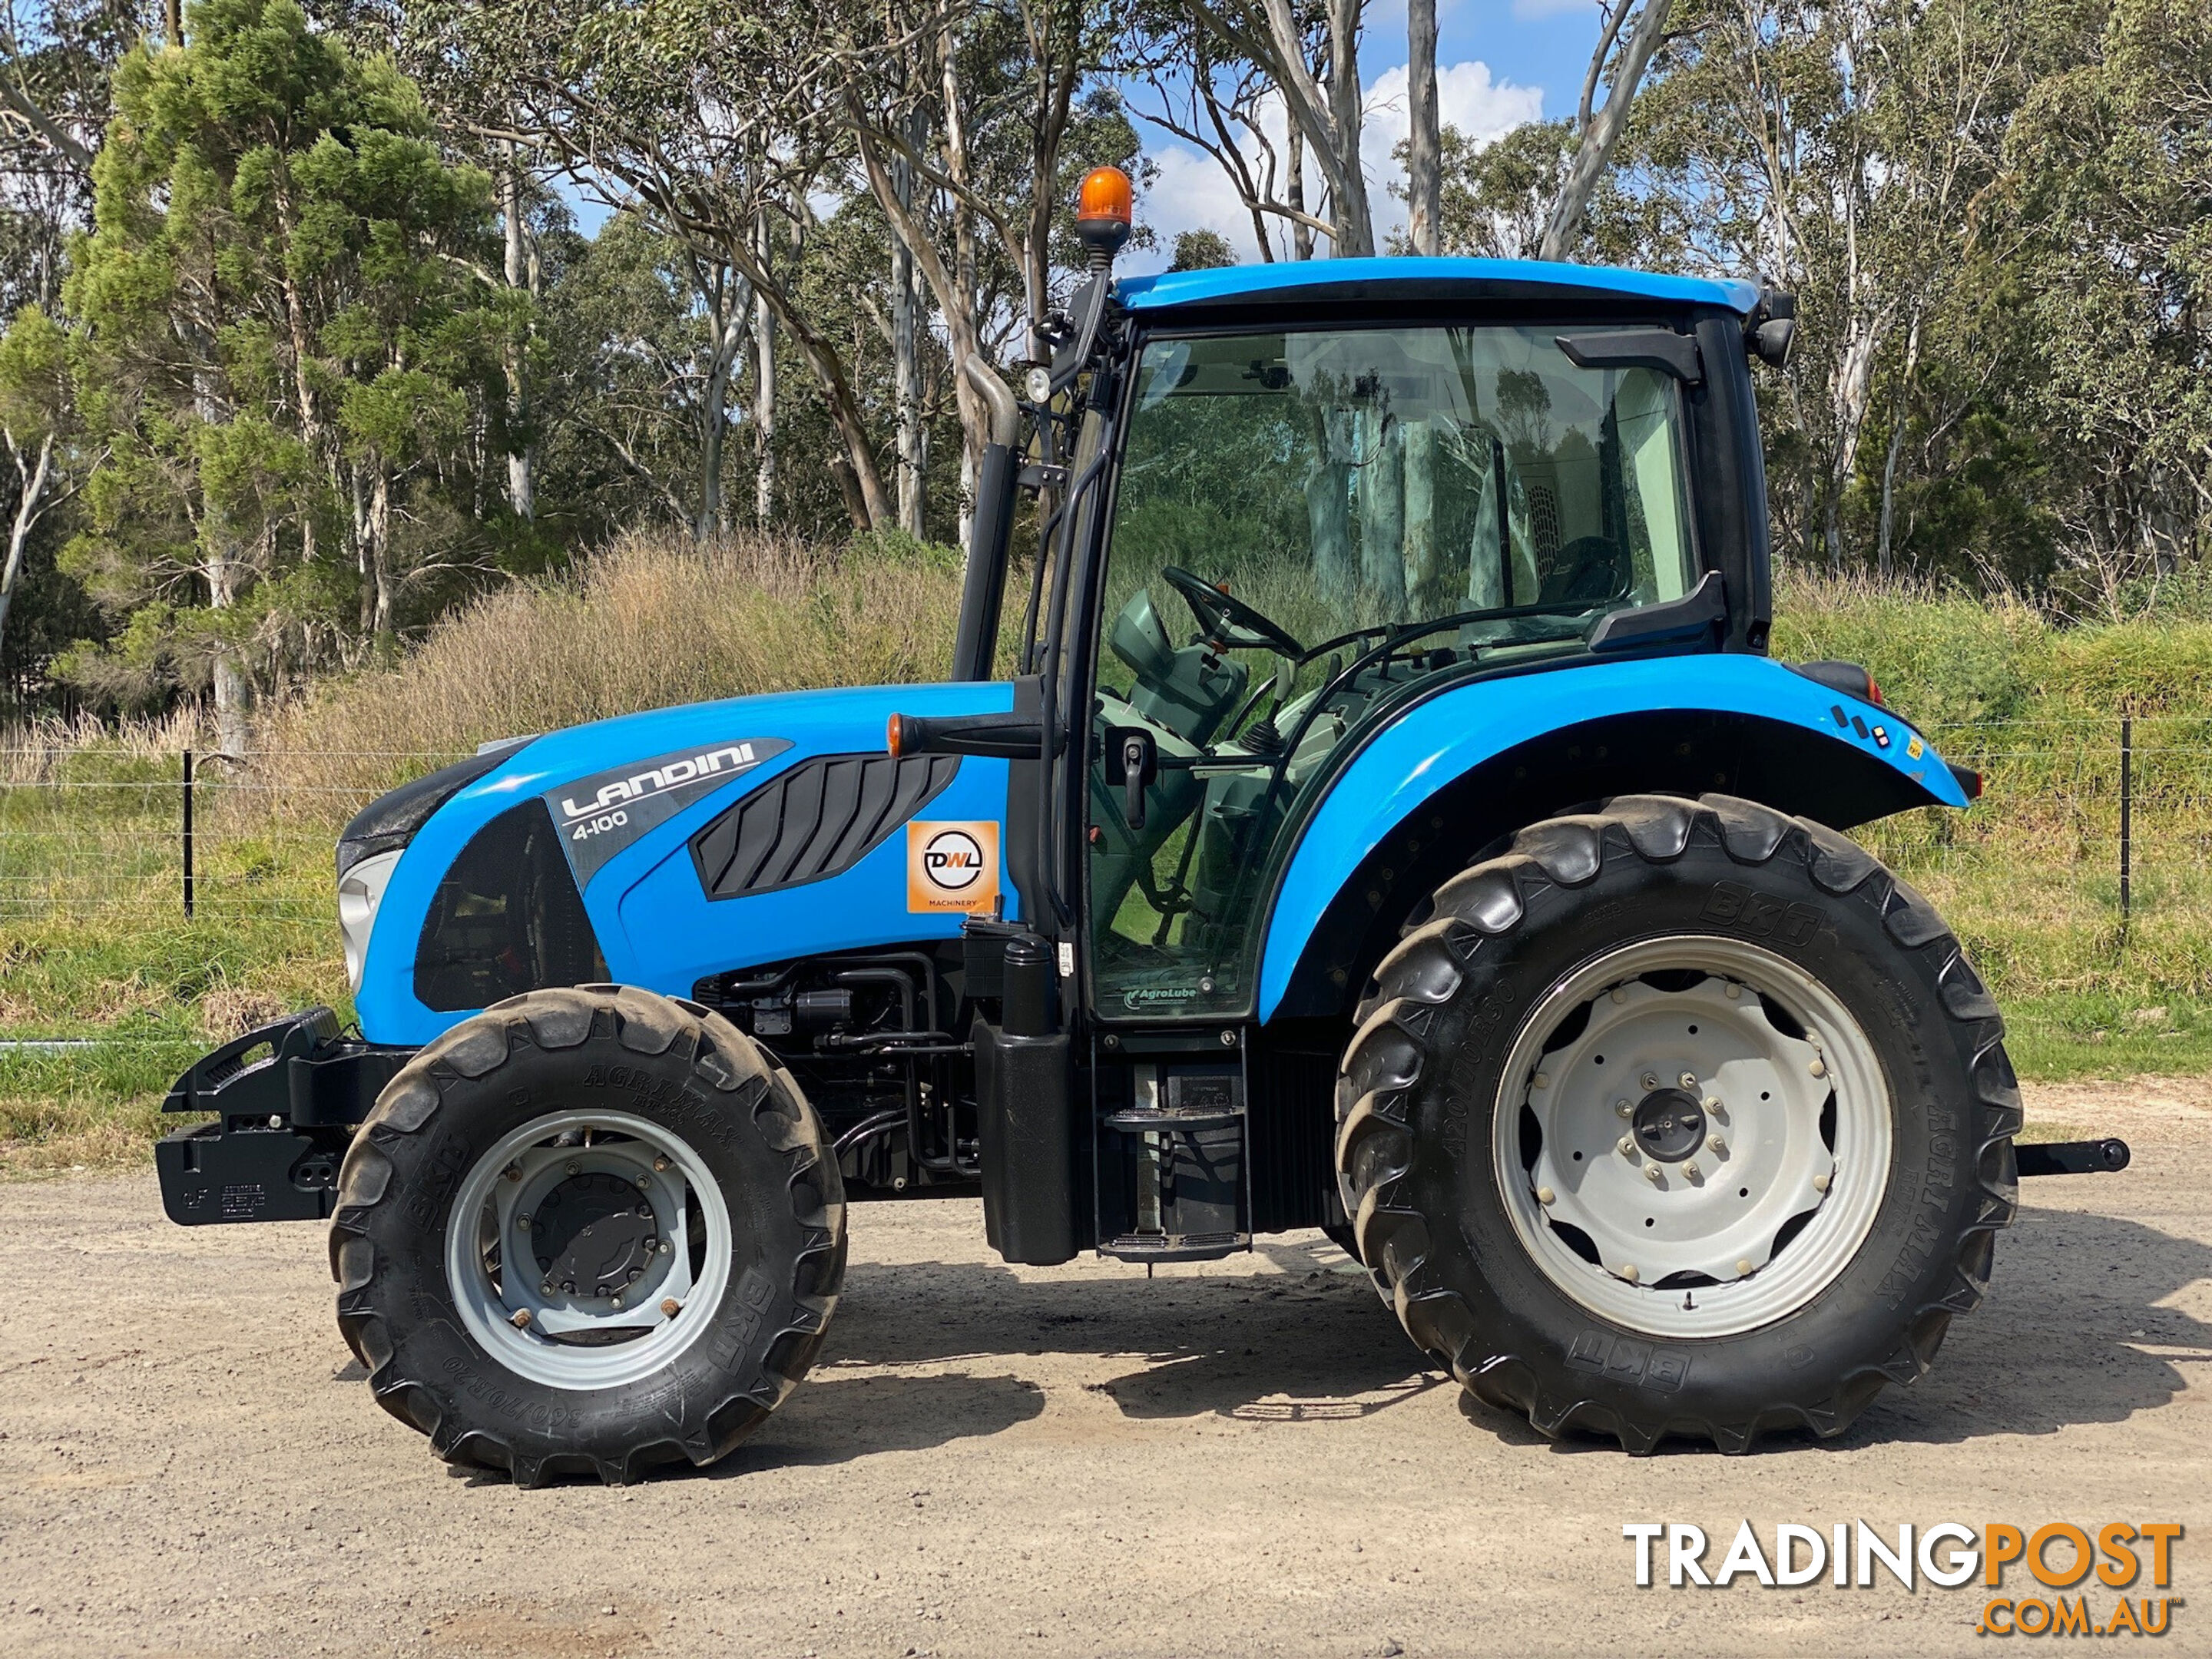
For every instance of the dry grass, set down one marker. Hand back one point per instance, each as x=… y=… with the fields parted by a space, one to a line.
x=648 y=624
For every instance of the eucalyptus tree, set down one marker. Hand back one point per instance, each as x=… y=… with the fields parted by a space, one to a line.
x=717 y=124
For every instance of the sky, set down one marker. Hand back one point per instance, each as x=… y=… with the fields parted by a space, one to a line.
x=1499 y=62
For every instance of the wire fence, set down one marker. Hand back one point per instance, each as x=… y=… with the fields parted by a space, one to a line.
x=2117 y=808
x=98 y=836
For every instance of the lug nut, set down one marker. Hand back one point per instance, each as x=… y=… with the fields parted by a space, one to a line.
x=635 y=1273
x=670 y=1307
x=1621 y=1107
x=573 y=1167
x=1819 y=1067
x=1689 y=1081
x=617 y=1299
x=1545 y=1196
x=1542 y=1081
x=1650 y=1081
x=658 y=1164
x=1628 y=1145
x=520 y=1318
x=1715 y=1104
x=665 y=1247
x=1651 y=1173
x=523 y=1221
x=1820 y=1183
x=1691 y=1168
x=512 y=1172
x=644 y=1182
x=1715 y=1145
x=1628 y=1272
x=546 y=1288
x=1743 y=1264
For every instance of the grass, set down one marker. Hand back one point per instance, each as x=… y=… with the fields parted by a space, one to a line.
x=94 y=942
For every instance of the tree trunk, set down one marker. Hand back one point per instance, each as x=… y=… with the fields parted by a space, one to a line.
x=29 y=504
x=220 y=564
x=763 y=394
x=1329 y=506
x=906 y=365
x=1424 y=573
x=521 y=271
x=729 y=302
x=1599 y=131
x=1884 y=555
x=1348 y=210
x=1301 y=232
x=376 y=548
x=1381 y=510
x=866 y=502
x=1424 y=146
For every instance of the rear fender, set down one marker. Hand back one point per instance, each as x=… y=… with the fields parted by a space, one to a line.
x=1456 y=772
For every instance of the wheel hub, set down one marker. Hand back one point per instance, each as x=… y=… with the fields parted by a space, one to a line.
x=593 y=1235
x=1670 y=1125
x=586 y=1247
x=1692 y=1135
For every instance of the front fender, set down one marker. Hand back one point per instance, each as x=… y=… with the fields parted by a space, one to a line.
x=1494 y=754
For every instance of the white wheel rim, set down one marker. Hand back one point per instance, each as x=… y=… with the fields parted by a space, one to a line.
x=1763 y=1210
x=576 y=1337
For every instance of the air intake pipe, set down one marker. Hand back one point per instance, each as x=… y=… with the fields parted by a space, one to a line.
x=984 y=590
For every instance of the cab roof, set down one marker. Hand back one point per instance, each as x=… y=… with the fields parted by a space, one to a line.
x=1403 y=280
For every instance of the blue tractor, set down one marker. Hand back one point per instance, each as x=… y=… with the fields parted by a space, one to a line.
x=1373 y=809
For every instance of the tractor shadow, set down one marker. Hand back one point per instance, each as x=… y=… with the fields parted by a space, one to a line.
x=2073 y=1333
x=1308 y=1342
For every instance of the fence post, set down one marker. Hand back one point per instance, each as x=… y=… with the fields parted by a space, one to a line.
x=188 y=834
x=2127 y=809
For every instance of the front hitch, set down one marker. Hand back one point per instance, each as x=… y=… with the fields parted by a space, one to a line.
x=289 y=1096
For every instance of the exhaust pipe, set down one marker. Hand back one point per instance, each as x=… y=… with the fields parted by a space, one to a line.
x=984 y=589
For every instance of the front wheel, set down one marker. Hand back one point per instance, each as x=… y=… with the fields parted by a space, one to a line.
x=1680 y=1117
x=588 y=1231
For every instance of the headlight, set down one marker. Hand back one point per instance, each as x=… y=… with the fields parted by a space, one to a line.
x=361 y=890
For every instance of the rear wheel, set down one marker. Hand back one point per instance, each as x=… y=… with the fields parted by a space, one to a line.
x=1679 y=1117
x=587 y=1231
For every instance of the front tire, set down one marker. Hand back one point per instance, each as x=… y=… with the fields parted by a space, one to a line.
x=587 y=1231
x=1680 y=1117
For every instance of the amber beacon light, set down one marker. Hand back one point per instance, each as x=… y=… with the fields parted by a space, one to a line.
x=1103 y=208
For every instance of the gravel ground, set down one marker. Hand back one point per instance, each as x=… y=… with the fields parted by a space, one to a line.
x=1236 y=1458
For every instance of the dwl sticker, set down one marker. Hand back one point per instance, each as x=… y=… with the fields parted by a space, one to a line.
x=952 y=867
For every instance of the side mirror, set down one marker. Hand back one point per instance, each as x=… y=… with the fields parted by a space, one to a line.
x=1132 y=760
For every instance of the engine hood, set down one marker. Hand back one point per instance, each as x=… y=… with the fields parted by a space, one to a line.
x=611 y=806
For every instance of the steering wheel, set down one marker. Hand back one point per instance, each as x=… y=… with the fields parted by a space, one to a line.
x=1226 y=620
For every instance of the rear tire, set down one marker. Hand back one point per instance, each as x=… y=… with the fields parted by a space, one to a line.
x=669 y=1334
x=1476 y=1127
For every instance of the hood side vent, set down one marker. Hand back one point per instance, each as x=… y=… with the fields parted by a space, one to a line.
x=816 y=820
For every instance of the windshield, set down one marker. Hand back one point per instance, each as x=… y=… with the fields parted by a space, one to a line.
x=1377 y=506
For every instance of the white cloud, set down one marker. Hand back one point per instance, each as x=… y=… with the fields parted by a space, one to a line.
x=1192 y=191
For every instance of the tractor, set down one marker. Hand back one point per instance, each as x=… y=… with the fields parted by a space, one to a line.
x=1371 y=808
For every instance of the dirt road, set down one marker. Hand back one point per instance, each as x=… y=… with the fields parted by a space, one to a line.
x=1240 y=1458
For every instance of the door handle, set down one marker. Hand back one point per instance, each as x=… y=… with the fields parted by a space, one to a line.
x=1133 y=761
